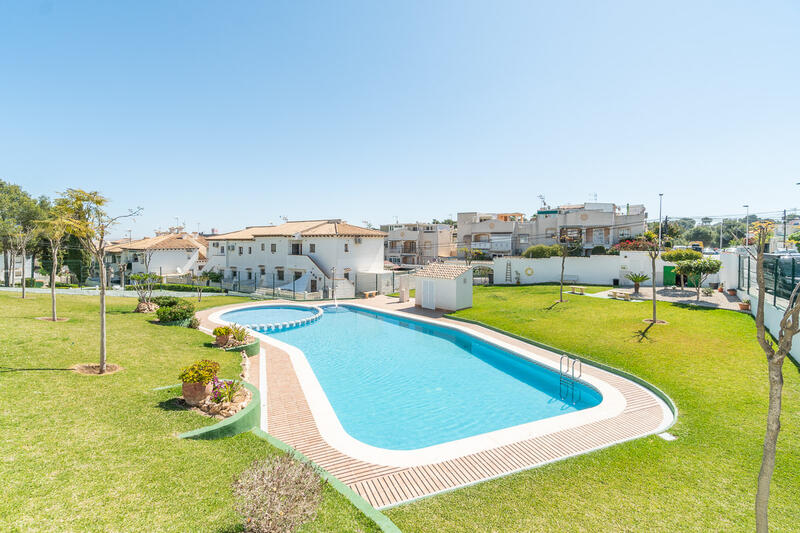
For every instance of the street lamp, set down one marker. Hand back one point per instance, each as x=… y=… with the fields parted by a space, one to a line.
x=660 y=197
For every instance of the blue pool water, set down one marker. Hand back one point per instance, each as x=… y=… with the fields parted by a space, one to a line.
x=268 y=315
x=402 y=384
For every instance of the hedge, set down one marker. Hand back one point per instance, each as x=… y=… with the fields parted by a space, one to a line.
x=183 y=310
x=178 y=287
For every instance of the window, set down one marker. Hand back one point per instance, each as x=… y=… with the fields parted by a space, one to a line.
x=241 y=249
x=346 y=247
x=280 y=273
x=347 y=274
x=249 y=275
x=312 y=248
x=249 y=250
x=262 y=246
x=624 y=233
x=297 y=248
x=273 y=247
x=215 y=245
x=263 y=270
x=297 y=274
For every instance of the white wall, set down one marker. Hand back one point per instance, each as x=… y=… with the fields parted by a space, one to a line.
x=165 y=262
x=772 y=320
x=594 y=270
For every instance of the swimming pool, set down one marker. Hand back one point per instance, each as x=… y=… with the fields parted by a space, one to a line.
x=400 y=384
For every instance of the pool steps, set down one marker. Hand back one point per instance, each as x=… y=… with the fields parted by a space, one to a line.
x=280 y=326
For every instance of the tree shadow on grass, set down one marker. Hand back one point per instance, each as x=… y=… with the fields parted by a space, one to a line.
x=641 y=335
x=554 y=304
x=11 y=369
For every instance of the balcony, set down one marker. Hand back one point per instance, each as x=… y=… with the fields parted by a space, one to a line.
x=500 y=246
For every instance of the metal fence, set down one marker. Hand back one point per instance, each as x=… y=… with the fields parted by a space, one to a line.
x=781 y=276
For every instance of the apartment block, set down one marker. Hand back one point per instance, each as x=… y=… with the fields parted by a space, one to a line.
x=417 y=243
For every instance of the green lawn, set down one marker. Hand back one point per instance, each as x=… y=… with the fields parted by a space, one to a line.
x=707 y=361
x=100 y=453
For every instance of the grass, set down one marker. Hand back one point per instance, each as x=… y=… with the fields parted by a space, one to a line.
x=706 y=360
x=100 y=453
x=411 y=293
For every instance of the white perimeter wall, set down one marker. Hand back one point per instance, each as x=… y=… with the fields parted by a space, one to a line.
x=594 y=270
x=772 y=320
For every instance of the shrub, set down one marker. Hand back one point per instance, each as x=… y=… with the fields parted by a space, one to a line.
x=214 y=276
x=239 y=332
x=224 y=390
x=599 y=250
x=673 y=256
x=540 y=251
x=278 y=494
x=165 y=301
x=222 y=330
x=183 y=310
x=203 y=371
x=635 y=245
x=194 y=323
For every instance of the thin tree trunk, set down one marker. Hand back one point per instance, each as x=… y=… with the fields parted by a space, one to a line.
x=53 y=270
x=6 y=277
x=770 y=443
x=563 y=261
x=33 y=268
x=23 y=271
x=653 y=262
x=102 y=316
x=13 y=266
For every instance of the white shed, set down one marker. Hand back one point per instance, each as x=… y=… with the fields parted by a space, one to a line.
x=444 y=286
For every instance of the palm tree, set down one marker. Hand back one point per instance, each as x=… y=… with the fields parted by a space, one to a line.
x=637 y=278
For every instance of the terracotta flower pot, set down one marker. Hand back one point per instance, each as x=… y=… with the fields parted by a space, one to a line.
x=744 y=307
x=732 y=292
x=194 y=393
x=222 y=340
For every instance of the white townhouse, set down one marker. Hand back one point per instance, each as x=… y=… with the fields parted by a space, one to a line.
x=418 y=243
x=169 y=253
x=597 y=224
x=303 y=256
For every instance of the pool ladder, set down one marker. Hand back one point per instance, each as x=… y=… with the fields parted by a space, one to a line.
x=570 y=371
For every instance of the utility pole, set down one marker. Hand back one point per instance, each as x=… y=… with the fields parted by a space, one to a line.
x=784 y=229
x=721 y=225
x=747 y=225
x=660 y=197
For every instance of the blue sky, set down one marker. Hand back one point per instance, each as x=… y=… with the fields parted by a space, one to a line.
x=232 y=113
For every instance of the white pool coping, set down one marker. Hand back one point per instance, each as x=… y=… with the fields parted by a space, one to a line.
x=331 y=430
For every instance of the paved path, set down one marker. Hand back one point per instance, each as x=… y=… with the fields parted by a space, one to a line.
x=719 y=300
x=290 y=419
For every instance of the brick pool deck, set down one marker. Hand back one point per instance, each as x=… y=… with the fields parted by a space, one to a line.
x=289 y=418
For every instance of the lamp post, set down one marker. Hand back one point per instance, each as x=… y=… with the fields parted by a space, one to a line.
x=660 y=197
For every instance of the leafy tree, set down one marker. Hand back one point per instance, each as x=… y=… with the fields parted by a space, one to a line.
x=706 y=234
x=675 y=256
x=700 y=269
x=89 y=222
x=199 y=281
x=54 y=229
x=471 y=255
x=143 y=284
x=776 y=355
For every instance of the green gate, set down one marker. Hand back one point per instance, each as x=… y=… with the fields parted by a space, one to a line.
x=669 y=275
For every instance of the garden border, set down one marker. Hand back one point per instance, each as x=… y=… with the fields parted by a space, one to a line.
x=250 y=349
x=241 y=422
x=627 y=375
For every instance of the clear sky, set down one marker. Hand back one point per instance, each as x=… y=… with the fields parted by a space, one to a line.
x=237 y=113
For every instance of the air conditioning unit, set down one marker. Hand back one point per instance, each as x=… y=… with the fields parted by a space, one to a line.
x=358 y=240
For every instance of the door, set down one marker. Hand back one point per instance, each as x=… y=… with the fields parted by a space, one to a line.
x=313 y=285
x=428 y=294
x=669 y=275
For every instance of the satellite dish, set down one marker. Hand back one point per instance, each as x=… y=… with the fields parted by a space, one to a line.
x=179 y=270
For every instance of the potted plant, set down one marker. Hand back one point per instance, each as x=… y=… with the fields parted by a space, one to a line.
x=197 y=380
x=732 y=292
x=720 y=288
x=222 y=335
x=744 y=305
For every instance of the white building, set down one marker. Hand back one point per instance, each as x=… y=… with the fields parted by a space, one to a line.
x=597 y=224
x=167 y=254
x=418 y=243
x=443 y=286
x=302 y=256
